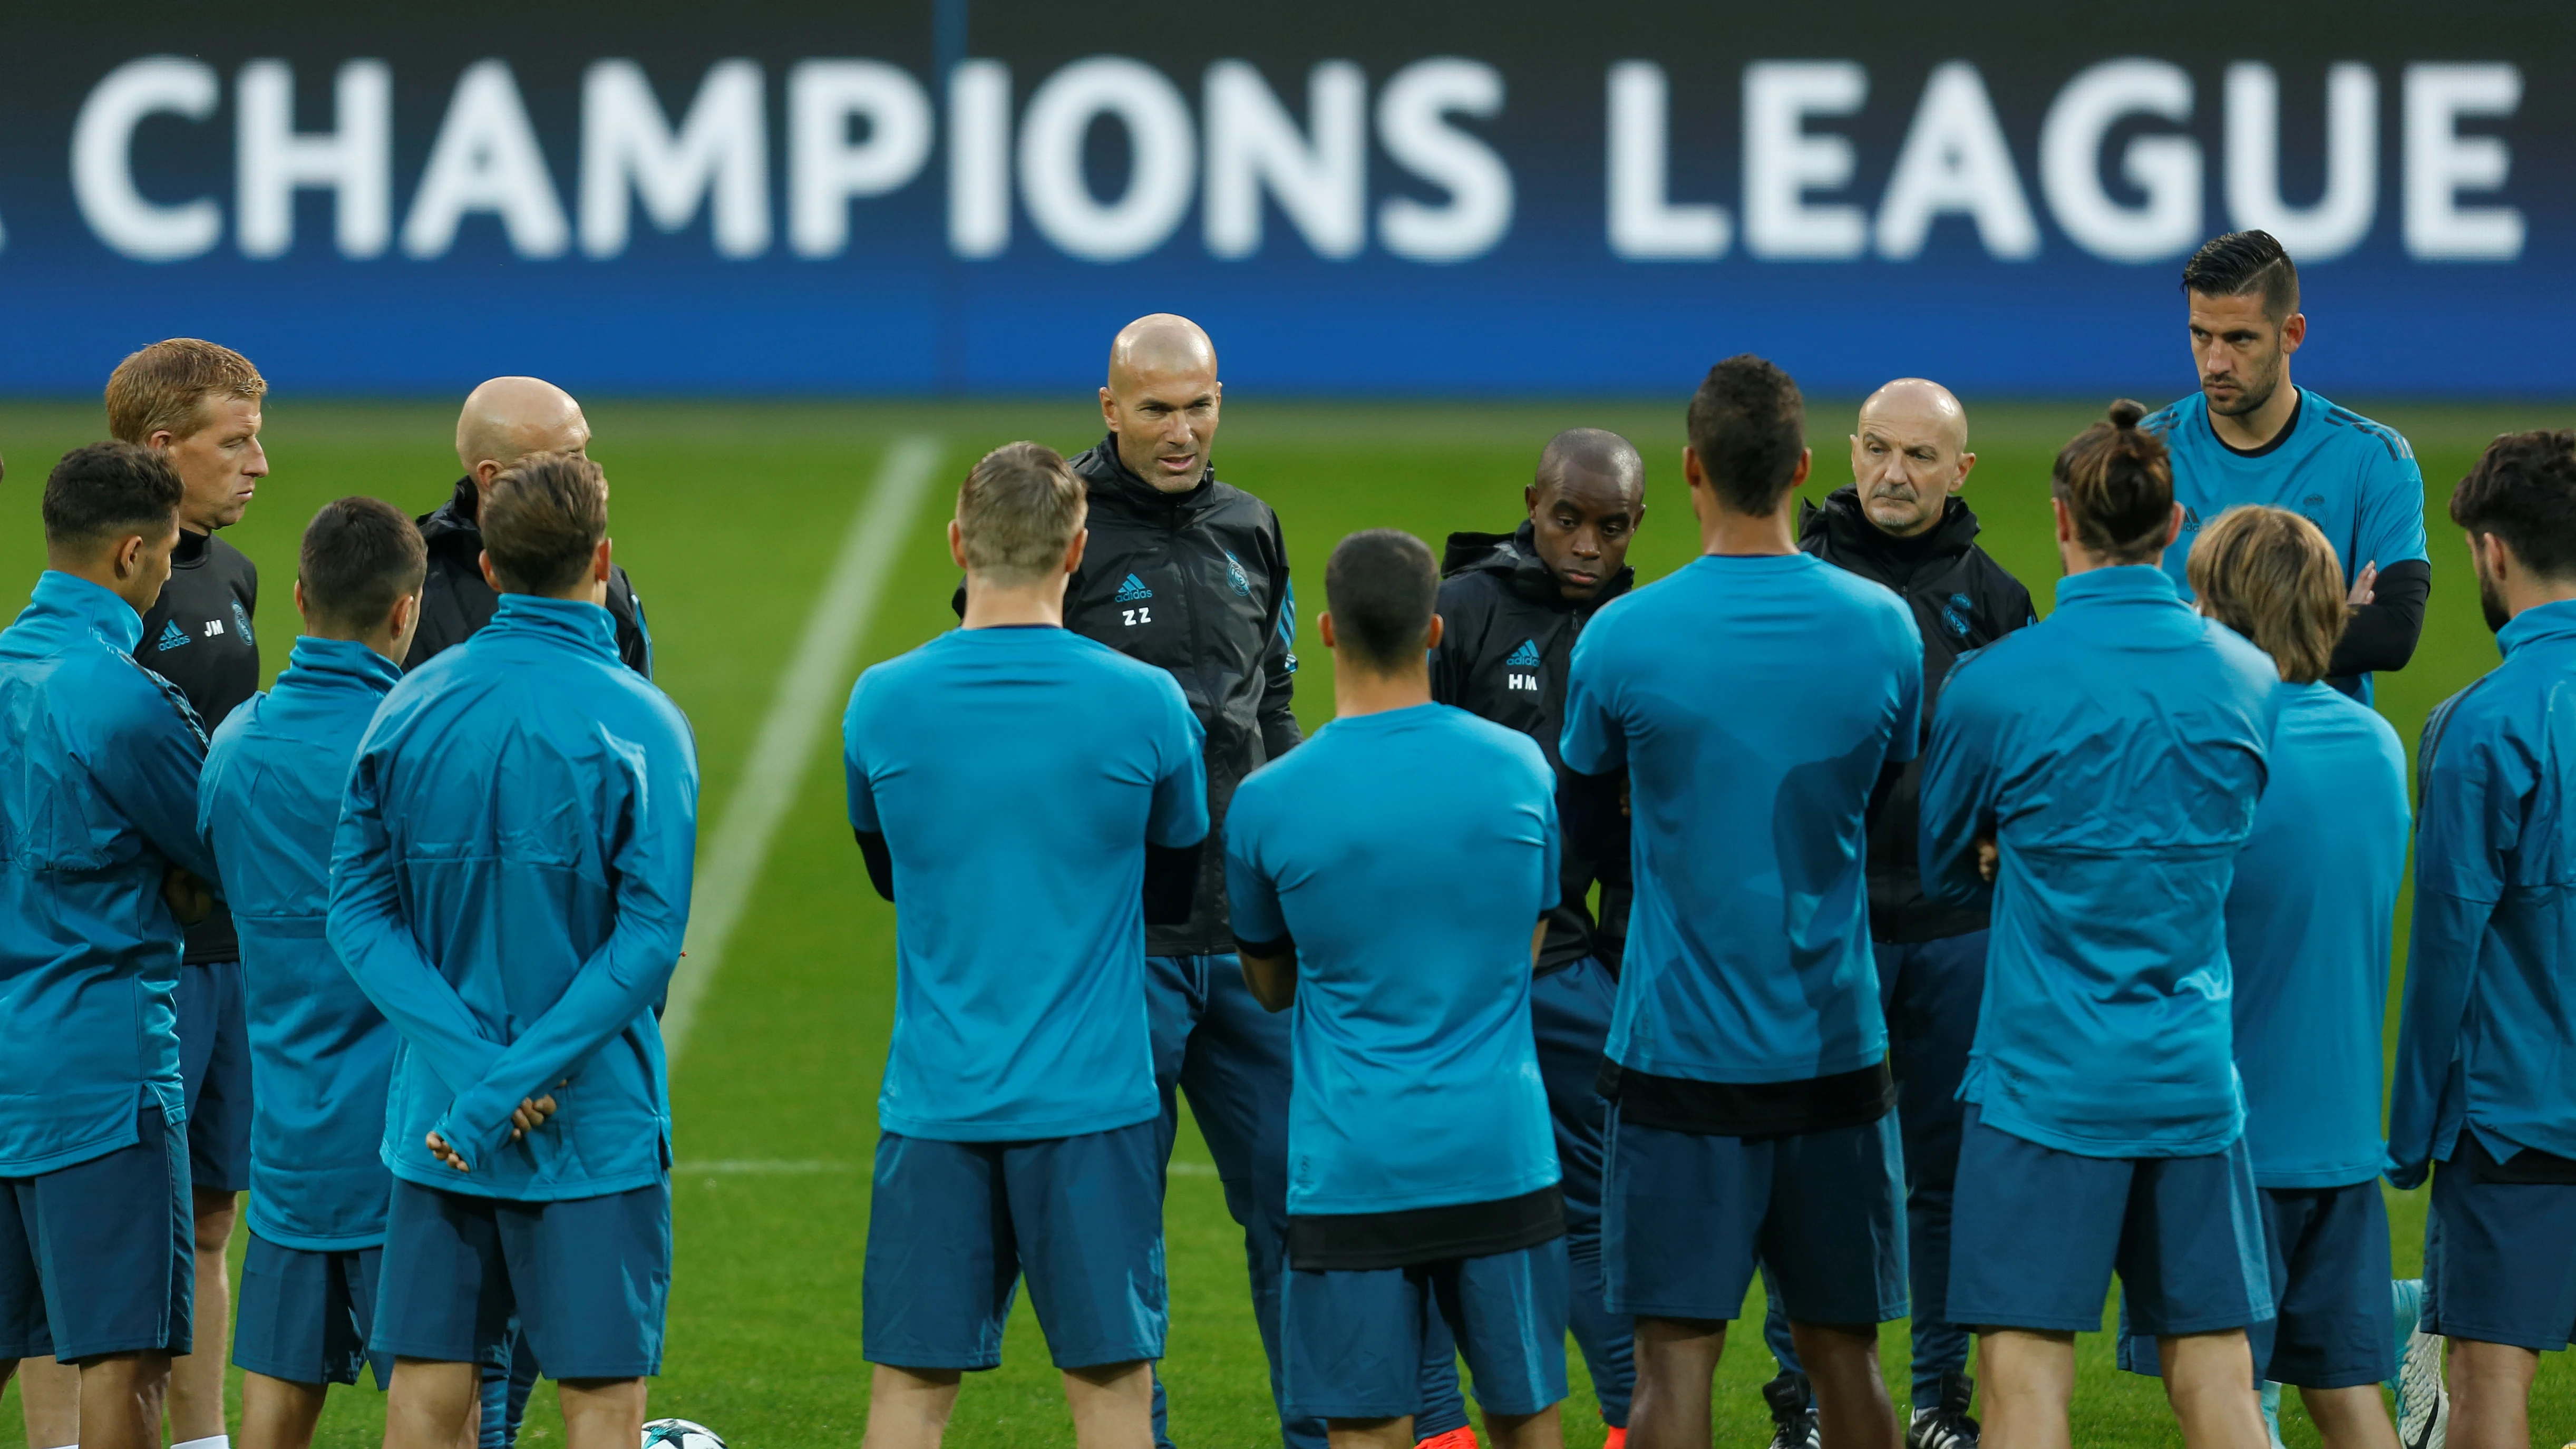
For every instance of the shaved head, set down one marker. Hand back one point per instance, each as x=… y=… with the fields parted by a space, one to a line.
x=1162 y=399
x=1910 y=455
x=1918 y=399
x=510 y=418
x=1591 y=454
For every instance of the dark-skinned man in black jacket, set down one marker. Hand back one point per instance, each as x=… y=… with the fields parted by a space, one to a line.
x=1511 y=605
x=1902 y=523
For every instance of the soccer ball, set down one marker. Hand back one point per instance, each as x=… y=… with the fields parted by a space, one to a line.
x=680 y=1434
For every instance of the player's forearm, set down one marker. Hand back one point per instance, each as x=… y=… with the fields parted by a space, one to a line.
x=2382 y=634
x=2441 y=962
x=620 y=982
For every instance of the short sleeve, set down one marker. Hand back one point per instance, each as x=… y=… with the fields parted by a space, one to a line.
x=1250 y=892
x=1180 y=813
x=2390 y=525
x=1550 y=890
x=863 y=802
x=1595 y=741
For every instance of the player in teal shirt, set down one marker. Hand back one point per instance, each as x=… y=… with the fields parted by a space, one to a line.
x=1391 y=879
x=2250 y=435
x=321 y=1054
x=2097 y=773
x=98 y=809
x=2485 y=1076
x=1029 y=799
x=1755 y=697
x=2309 y=917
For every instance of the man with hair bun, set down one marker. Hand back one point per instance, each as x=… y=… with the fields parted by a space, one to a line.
x=103 y=870
x=2309 y=916
x=2106 y=1127
x=525 y=788
x=1031 y=801
x=1747 y=1066
x=1426 y=1193
x=2486 y=1049
x=2250 y=435
x=321 y=1053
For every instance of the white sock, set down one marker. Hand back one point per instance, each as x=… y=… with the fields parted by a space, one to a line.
x=71 y=1446
x=211 y=1441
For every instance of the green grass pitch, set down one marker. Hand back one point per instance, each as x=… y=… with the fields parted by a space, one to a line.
x=729 y=515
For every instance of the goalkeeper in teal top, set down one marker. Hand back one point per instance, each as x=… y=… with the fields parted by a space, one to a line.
x=2253 y=436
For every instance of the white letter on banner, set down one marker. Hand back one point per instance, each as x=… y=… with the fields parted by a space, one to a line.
x=1782 y=163
x=1253 y=145
x=979 y=158
x=486 y=159
x=2342 y=216
x=271 y=159
x=825 y=169
x=721 y=151
x=1413 y=126
x=1160 y=178
x=102 y=159
x=2441 y=163
x=1955 y=160
x=2166 y=168
x=1645 y=225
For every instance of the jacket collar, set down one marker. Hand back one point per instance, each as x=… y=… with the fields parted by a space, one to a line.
x=337 y=664
x=2119 y=584
x=2537 y=623
x=71 y=597
x=1845 y=525
x=454 y=522
x=1513 y=559
x=1110 y=480
x=574 y=623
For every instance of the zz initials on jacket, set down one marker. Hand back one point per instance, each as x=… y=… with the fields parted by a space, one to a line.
x=1134 y=617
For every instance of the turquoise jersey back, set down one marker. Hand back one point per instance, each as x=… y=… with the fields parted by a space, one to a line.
x=2308 y=925
x=1409 y=853
x=2115 y=751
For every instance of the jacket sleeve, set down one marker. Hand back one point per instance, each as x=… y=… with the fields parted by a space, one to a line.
x=367 y=931
x=1279 y=731
x=2469 y=820
x=2382 y=634
x=652 y=863
x=1958 y=802
x=150 y=770
x=1448 y=658
x=634 y=635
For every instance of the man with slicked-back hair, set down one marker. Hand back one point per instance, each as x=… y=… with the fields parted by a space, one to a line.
x=2106 y=1127
x=2251 y=435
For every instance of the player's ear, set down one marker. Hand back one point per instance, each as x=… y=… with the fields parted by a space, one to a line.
x=2173 y=526
x=2294 y=330
x=1073 y=551
x=1324 y=627
x=599 y=562
x=1967 y=464
x=1806 y=464
x=1109 y=409
x=483 y=561
x=1691 y=473
x=301 y=611
x=1431 y=640
x=957 y=542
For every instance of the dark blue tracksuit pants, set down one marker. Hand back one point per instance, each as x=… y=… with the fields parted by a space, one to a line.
x=1570 y=1014
x=1930 y=990
x=1213 y=1041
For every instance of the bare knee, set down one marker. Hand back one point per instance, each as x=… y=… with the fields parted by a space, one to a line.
x=215 y=1212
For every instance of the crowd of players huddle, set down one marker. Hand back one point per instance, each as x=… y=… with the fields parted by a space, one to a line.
x=1637 y=942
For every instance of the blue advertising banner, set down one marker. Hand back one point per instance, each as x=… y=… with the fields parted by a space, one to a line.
x=1424 y=198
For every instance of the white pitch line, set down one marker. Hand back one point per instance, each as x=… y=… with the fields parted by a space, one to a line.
x=810 y=691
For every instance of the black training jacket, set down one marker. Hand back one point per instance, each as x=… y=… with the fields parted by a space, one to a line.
x=456 y=603
x=1197 y=584
x=1962 y=600
x=1507 y=636
x=198 y=636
